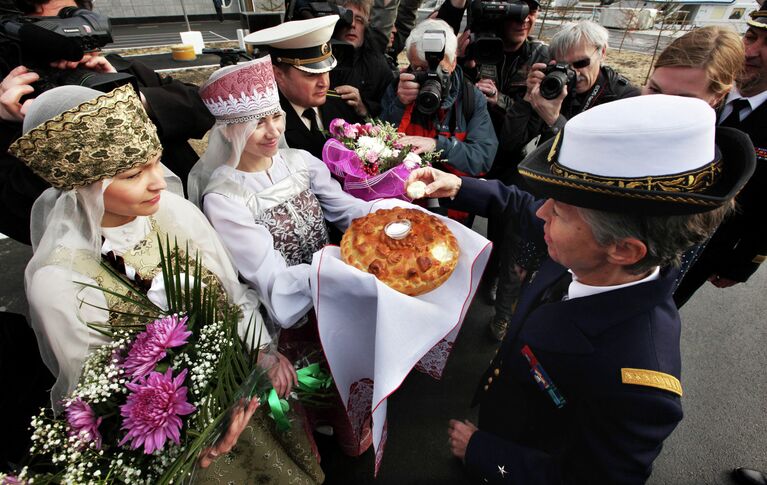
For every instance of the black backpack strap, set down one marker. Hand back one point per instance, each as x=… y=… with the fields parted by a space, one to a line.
x=467 y=104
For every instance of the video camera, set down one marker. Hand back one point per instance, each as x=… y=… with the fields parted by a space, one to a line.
x=35 y=42
x=322 y=9
x=486 y=22
x=435 y=82
x=557 y=76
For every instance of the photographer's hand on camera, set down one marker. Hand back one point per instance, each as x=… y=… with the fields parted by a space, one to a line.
x=548 y=109
x=407 y=88
x=489 y=89
x=94 y=62
x=15 y=85
x=18 y=83
x=352 y=96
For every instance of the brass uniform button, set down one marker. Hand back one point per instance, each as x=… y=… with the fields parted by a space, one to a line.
x=489 y=380
x=496 y=372
x=487 y=387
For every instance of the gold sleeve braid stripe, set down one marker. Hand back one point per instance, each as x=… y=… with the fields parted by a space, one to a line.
x=650 y=378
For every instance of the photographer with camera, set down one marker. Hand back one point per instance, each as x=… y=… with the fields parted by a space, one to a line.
x=436 y=108
x=574 y=81
x=496 y=52
x=362 y=74
x=174 y=107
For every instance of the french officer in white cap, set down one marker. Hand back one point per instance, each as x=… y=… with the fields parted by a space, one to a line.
x=586 y=384
x=302 y=58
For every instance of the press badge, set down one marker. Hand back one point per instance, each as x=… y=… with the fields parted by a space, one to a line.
x=542 y=378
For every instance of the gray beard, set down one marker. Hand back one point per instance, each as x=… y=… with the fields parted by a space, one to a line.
x=752 y=85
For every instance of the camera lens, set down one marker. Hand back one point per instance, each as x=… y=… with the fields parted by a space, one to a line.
x=552 y=84
x=429 y=97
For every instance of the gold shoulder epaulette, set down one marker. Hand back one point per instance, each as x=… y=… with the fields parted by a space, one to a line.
x=651 y=378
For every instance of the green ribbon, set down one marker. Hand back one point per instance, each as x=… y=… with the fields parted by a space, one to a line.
x=313 y=378
x=310 y=379
x=278 y=408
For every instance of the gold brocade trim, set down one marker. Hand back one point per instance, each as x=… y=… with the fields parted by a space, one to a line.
x=672 y=197
x=300 y=62
x=145 y=259
x=759 y=259
x=98 y=139
x=84 y=263
x=692 y=181
x=651 y=378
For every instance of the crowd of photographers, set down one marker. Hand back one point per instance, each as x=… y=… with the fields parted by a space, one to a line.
x=483 y=96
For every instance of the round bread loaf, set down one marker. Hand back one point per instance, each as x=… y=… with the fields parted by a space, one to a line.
x=414 y=264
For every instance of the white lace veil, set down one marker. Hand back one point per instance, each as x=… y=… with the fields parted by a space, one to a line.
x=66 y=230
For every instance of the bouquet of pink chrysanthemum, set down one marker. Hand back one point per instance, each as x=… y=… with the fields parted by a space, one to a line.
x=148 y=402
x=370 y=160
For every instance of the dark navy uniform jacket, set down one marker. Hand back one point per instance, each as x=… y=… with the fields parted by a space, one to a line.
x=299 y=136
x=611 y=360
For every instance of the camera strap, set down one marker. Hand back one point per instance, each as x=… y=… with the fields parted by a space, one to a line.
x=595 y=93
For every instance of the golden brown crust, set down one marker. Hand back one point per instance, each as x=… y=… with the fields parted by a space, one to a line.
x=416 y=264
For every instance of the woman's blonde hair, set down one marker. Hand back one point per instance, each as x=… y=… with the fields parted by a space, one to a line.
x=717 y=50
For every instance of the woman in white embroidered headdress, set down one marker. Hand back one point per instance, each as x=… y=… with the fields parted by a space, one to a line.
x=269 y=204
x=108 y=202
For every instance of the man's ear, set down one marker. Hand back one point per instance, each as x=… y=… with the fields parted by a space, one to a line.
x=279 y=74
x=626 y=251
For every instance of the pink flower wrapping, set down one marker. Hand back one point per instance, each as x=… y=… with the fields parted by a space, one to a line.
x=358 y=181
x=368 y=158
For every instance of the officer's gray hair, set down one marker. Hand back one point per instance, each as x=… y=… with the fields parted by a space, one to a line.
x=571 y=34
x=666 y=237
x=416 y=37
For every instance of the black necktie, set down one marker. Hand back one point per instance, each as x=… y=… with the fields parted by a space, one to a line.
x=733 y=119
x=311 y=115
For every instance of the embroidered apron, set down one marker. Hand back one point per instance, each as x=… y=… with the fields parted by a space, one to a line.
x=288 y=210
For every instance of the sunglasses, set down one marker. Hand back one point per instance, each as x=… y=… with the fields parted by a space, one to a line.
x=581 y=63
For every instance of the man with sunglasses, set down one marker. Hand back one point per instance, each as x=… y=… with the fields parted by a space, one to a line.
x=363 y=73
x=581 y=45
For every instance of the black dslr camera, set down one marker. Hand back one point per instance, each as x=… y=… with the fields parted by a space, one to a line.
x=486 y=20
x=435 y=82
x=35 y=42
x=557 y=77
